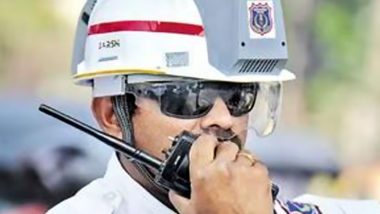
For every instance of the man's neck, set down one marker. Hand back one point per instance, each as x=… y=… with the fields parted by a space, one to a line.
x=145 y=181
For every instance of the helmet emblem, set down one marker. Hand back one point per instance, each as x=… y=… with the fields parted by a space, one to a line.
x=261 y=21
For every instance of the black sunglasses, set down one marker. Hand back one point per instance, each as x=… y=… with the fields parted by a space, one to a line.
x=191 y=100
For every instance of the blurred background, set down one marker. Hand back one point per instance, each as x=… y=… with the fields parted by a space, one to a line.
x=328 y=141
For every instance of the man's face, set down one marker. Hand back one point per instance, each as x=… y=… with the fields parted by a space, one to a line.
x=152 y=128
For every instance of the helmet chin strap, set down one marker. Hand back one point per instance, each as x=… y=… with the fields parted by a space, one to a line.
x=123 y=107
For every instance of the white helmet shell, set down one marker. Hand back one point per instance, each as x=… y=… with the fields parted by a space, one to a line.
x=149 y=40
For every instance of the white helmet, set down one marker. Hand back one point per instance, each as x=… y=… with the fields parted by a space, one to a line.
x=148 y=40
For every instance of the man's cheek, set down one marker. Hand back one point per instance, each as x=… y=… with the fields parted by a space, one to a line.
x=241 y=128
x=177 y=126
x=241 y=124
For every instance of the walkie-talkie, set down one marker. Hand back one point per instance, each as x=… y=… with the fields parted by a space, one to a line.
x=173 y=172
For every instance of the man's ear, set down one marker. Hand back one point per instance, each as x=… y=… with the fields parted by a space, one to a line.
x=103 y=112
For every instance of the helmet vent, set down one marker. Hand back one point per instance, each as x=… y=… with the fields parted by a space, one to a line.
x=257 y=66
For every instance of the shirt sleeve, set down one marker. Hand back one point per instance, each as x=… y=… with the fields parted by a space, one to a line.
x=339 y=206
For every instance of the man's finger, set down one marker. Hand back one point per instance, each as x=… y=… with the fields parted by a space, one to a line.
x=202 y=152
x=226 y=151
x=180 y=203
x=245 y=160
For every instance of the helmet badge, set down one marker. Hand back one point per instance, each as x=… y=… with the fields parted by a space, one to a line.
x=260 y=21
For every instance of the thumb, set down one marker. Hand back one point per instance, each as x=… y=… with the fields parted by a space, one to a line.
x=179 y=202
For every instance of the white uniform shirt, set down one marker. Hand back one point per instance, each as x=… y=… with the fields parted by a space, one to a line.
x=115 y=193
x=118 y=193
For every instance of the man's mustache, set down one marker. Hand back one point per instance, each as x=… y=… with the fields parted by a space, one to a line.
x=224 y=135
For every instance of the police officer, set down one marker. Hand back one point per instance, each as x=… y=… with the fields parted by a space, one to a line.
x=148 y=65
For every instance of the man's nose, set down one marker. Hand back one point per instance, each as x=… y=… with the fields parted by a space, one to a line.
x=219 y=116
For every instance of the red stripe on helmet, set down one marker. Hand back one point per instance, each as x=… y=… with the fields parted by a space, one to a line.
x=148 y=26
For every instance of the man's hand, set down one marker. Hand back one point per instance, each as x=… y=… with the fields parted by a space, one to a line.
x=224 y=181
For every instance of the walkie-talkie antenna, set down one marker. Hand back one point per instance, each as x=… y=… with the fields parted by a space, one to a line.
x=112 y=141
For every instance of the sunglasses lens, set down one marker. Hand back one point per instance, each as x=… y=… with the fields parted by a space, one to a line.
x=196 y=100
x=184 y=104
x=241 y=102
x=190 y=100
